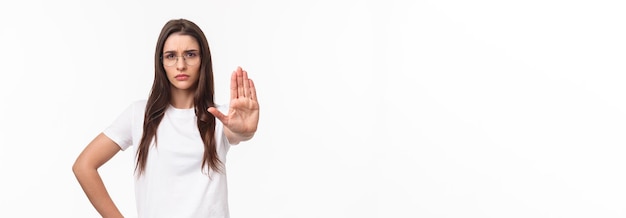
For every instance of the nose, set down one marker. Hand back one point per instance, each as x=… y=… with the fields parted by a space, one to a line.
x=180 y=63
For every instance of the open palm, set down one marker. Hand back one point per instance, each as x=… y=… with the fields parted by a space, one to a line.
x=243 y=112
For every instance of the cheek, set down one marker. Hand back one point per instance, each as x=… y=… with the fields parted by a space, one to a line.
x=169 y=72
x=195 y=70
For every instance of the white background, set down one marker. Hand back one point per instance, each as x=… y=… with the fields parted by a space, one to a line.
x=369 y=108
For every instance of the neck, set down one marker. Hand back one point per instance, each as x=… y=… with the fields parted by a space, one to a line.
x=182 y=99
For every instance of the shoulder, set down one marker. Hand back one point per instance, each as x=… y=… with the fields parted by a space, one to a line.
x=136 y=106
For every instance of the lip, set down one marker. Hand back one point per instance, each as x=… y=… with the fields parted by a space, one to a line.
x=181 y=77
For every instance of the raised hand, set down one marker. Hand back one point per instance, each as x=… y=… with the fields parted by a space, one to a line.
x=243 y=113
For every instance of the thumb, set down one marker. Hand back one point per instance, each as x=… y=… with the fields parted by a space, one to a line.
x=219 y=115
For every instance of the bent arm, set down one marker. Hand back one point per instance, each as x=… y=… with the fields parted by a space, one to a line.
x=100 y=150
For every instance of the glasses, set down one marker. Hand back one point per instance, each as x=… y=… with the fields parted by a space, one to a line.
x=190 y=58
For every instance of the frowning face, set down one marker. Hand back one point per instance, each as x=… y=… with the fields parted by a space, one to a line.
x=181 y=60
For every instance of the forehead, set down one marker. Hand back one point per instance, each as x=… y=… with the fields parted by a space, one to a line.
x=179 y=42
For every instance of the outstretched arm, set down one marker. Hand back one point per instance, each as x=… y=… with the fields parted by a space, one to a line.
x=242 y=119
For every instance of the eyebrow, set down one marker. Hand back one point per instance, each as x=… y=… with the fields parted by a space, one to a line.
x=185 y=51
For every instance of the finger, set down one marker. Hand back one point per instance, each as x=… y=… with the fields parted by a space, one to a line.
x=240 y=91
x=233 y=85
x=252 y=90
x=219 y=115
x=246 y=84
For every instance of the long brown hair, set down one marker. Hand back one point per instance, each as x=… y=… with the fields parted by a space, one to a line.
x=160 y=97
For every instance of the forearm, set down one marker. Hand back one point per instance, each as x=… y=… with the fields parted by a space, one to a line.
x=236 y=138
x=94 y=188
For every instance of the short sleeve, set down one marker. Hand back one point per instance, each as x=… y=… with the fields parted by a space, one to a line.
x=120 y=131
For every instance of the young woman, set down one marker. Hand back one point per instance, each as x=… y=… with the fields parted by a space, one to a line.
x=179 y=134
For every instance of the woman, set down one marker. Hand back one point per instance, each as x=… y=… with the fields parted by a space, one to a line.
x=180 y=145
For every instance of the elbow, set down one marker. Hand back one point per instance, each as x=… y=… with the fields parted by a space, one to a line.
x=76 y=168
x=79 y=167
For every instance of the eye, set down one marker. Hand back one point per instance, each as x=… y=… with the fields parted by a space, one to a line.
x=170 y=56
x=191 y=54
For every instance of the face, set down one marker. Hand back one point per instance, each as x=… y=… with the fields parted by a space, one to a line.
x=181 y=60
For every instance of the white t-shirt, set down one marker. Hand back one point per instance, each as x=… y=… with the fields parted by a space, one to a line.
x=173 y=184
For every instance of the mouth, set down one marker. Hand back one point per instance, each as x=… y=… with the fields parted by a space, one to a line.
x=181 y=77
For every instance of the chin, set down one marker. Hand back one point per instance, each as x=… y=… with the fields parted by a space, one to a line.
x=183 y=88
x=189 y=87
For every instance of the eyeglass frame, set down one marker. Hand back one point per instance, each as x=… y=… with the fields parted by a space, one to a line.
x=180 y=56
